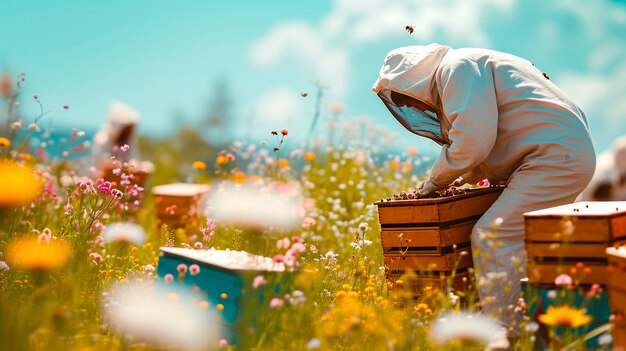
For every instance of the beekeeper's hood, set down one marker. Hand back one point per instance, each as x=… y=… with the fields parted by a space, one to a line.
x=407 y=87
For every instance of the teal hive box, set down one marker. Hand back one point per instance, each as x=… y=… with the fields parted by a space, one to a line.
x=226 y=278
x=538 y=298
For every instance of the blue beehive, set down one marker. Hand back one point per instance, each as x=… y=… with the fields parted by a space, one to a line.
x=226 y=278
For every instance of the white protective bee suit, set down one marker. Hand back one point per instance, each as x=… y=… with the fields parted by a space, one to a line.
x=496 y=117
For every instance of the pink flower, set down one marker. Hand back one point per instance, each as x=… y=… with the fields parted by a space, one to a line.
x=563 y=279
x=223 y=343
x=197 y=245
x=43 y=238
x=298 y=248
x=65 y=107
x=283 y=243
x=182 y=268
x=124 y=147
x=276 y=303
x=96 y=257
x=279 y=258
x=36 y=97
x=194 y=269
x=168 y=278
x=313 y=248
x=258 y=281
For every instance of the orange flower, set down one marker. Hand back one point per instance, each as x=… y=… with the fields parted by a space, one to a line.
x=4 y=142
x=27 y=253
x=284 y=132
x=283 y=162
x=411 y=151
x=394 y=165
x=239 y=177
x=221 y=159
x=406 y=167
x=309 y=156
x=199 y=165
x=19 y=184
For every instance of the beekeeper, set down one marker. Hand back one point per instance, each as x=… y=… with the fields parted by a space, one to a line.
x=117 y=131
x=496 y=116
x=609 y=180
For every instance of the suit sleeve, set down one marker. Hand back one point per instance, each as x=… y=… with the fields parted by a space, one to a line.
x=468 y=97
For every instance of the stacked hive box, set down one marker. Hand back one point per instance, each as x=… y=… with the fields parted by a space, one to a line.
x=225 y=278
x=178 y=204
x=431 y=236
x=572 y=239
x=617 y=294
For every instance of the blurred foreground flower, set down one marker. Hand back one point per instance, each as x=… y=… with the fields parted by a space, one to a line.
x=161 y=315
x=468 y=329
x=29 y=253
x=256 y=207
x=124 y=232
x=564 y=316
x=199 y=165
x=19 y=185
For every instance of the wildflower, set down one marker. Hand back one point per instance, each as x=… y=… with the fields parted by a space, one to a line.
x=309 y=156
x=199 y=165
x=258 y=281
x=283 y=163
x=36 y=97
x=239 y=177
x=160 y=315
x=4 y=142
x=168 y=278
x=194 y=269
x=314 y=343
x=19 y=185
x=563 y=279
x=223 y=344
x=27 y=253
x=276 y=303
x=463 y=327
x=564 y=316
x=65 y=107
x=221 y=159
x=283 y=243
x=284 y=132
x=394 y=165
x=96 y=257
x=181 y=268
x=124 y=232
x=198 y=245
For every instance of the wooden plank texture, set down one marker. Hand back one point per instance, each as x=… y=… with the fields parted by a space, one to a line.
x=448 y=262
x=617 y=300
x=426 y=236
x=566 y=250
x=546 y=273
x=437 y=210
x=551 y=229
x=617 y=277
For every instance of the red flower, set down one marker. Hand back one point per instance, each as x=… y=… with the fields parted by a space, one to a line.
x=284 y=132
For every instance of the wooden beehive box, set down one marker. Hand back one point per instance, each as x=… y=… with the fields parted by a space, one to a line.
x=226 y=278
x=617 y=293
x=178 y=203
x=560 y=238
x=432 y=235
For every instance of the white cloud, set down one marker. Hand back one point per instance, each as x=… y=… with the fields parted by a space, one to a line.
x=278 y=106
x=601 y=96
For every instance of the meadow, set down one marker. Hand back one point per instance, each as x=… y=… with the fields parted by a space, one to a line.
x=79 y=254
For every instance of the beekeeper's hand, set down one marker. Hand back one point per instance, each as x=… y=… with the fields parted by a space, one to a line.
x=459 y=181
x=426 y=188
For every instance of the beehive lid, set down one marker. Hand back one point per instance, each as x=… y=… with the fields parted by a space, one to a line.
x=180 y=189
x=469 y=193
x=617 y=253
x=591 y=209
x=225 y=259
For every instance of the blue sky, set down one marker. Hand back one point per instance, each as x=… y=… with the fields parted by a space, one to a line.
x=164 y=57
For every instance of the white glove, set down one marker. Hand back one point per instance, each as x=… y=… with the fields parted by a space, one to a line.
x=459 y=181
x=426 y=187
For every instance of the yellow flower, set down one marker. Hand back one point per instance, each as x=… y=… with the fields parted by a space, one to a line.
x=309 y=156
x=27 y=253
x=283 y=162
x=4 y=142
x=19 y=185
x=564 y=316
x=199 y=165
